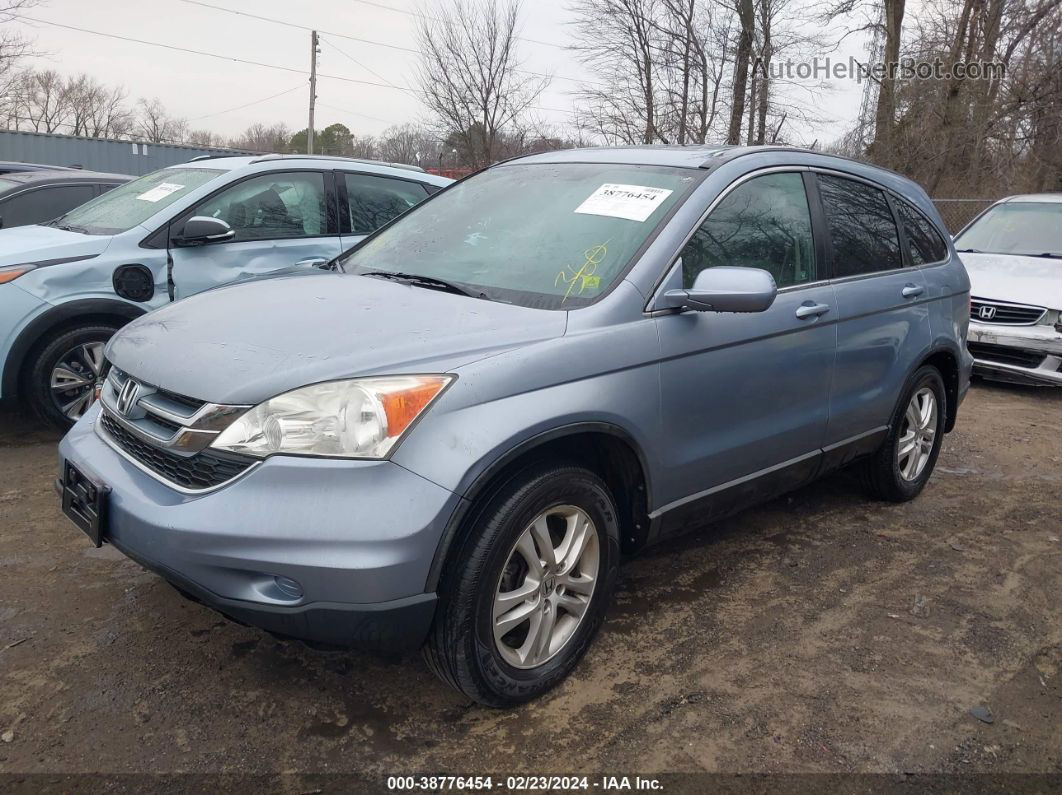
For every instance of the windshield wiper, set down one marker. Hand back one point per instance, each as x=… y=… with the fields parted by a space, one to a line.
x=424 y=281
x=969 y=251
x=1049 y=255
x=71 y=228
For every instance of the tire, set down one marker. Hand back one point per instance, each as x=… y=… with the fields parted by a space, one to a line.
x=63 y=349
x=889 y=476
x=462 y=649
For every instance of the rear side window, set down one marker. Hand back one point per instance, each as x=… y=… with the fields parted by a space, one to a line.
x=763 y=223
x=375 y=201
x=862 y=229
x=924 y=243
x=44 y=204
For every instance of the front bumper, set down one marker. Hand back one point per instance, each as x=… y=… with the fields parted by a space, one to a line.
x=357 y=537
x=1017 y=354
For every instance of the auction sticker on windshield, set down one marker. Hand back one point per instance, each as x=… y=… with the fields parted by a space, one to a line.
x=160 y=191
x=633 y=202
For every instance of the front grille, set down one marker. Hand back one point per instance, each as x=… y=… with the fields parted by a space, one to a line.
x=1004 y=354
x=1005 y=314
x=200 y=471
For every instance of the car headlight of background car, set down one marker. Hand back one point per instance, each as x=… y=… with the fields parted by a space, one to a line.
x=355 y=418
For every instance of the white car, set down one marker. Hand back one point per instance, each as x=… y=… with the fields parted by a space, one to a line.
x=1013 y=253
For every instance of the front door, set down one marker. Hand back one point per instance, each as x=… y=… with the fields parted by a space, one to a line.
x=279 y=220
x=747 y=395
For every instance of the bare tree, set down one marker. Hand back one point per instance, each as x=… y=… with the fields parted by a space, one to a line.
x=13 y=49
x=43 y=101
x=263 y=138
x=469 y=74
x=407 y=143
x=155 y=124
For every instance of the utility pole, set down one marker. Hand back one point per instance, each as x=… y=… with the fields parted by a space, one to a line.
x=313 y=89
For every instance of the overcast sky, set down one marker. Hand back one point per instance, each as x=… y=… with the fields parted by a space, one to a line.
x=208 y=90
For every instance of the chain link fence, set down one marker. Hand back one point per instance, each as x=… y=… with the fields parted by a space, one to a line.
x=959 y=212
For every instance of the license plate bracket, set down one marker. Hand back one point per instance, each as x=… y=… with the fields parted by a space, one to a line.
x=85 y=502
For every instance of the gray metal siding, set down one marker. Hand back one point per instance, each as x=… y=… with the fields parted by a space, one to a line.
x=98 y=154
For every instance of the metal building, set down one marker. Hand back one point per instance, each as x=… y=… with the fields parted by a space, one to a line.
x=98 y=154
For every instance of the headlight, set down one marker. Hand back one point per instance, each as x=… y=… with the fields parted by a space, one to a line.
x=9 y=273
x=359 y=418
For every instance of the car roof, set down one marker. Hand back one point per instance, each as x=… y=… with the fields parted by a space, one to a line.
x=16 y=166
x=681 y=156
x=41 y=176
x=1046 y=198
x=274 y=162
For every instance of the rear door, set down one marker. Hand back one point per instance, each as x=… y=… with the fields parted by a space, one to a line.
x=368 y=201
x=881 y=307
x=747 y=395
x=280 y=218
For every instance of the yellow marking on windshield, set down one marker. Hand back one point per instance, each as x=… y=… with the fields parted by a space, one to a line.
x=583 y=276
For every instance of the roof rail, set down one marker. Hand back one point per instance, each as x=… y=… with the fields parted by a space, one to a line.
x=197 y=158
x=265 y=158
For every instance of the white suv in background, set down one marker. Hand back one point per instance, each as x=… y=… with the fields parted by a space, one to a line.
x=66 y=286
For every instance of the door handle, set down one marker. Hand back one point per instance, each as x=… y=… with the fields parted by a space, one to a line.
x=812 y=310
x=911 y=290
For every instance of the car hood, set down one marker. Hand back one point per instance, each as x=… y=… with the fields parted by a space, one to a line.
x=1014 y=278
x=22 y=244
x=248 y=342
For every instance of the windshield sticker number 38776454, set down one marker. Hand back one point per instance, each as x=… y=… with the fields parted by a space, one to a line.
x=633 y=202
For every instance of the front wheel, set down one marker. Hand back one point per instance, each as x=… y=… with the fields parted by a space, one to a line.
x=529 y=587
x=899 y=470
x=64 y=373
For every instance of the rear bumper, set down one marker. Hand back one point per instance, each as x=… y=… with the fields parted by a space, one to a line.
x=1017 y=354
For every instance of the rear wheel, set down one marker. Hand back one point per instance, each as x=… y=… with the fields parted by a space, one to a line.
x=899 y=470
x=64 y=373
x=529 y=588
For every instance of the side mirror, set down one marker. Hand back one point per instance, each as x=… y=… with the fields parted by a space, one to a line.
x=725 y=290
x=200 y=229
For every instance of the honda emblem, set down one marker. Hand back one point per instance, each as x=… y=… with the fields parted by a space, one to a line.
x=986 y=312
x=127 y=397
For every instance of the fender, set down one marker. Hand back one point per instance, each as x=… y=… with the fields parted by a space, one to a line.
x=473 y=486
x=52 y=318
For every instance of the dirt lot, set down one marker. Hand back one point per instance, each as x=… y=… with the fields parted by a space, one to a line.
x=819 y=633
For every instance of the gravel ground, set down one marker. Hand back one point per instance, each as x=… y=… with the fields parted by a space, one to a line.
x=820 y=633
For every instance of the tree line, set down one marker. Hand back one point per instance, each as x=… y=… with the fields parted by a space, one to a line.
x=669 y=72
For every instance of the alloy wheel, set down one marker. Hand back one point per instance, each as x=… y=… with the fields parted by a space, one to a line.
x=917 y=434
x=75 y=377
x=546 y=586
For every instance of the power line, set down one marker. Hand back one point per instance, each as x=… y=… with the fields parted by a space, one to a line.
x=247 y=105
x=356 y=113
x=419 y=15
x=363 y=66
x=411 y=50
x=246 y=61
x=200 y=52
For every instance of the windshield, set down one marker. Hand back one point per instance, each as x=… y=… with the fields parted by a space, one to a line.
x=1029 y=228
x=134 y=202
x=5 y=184
x=547 y=236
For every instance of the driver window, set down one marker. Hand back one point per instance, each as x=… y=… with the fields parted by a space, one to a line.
x=763 y=223
x=273 y=205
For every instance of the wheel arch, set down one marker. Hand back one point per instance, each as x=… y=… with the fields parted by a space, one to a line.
x=946 y=361
x=60 y=318
x=604 y=448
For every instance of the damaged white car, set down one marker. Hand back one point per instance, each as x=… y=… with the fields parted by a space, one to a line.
x=1013 y=253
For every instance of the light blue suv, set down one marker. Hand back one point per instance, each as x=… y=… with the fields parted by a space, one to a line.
x=564 y=358
x=66 y=286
